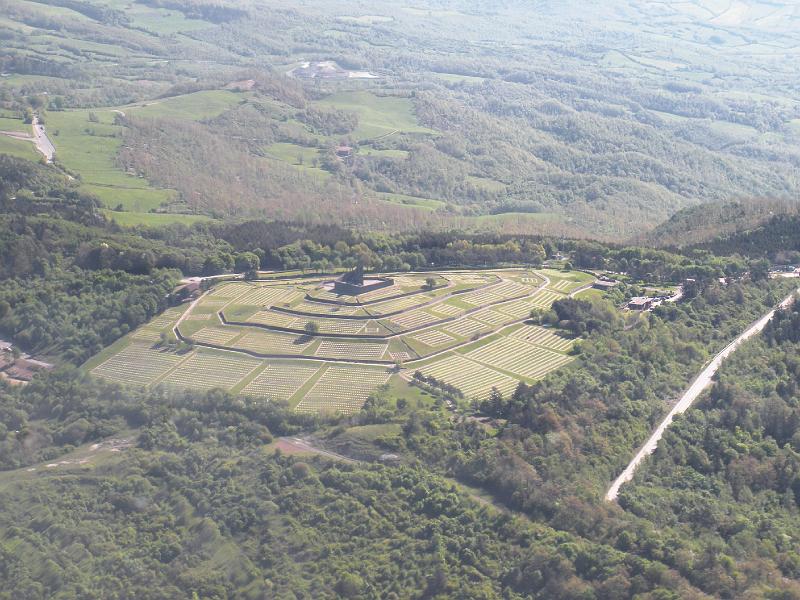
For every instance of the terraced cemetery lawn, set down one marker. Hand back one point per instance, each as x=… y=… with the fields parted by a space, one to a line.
x=467 y=333
x=137 y=364
x=205 y=371
x=343 y=389
x=352 y=350
x=519 y=358
x=543 y=337
x=473 y=379
x=269 y=342
x=279 y=381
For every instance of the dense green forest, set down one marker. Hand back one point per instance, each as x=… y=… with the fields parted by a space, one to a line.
x=727 y=477
x=198 y=508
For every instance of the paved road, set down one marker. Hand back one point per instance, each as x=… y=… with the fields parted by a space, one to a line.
x=41 y=141
x=690 y=395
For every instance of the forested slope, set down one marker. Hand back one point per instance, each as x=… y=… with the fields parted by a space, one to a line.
x=599 y=121
x=726 y=475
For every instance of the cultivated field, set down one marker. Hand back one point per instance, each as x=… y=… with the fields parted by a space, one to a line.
x=298 y=341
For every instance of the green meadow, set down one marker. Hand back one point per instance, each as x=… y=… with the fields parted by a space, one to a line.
x=18 y=148
x=134 y=219
x=377 y=115
x=87 y=142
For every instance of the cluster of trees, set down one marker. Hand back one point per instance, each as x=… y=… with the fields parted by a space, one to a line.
x=328 y=122
x=647 y=264
x=289 y=245
x=440 y=386
x=76 y=313
x=582 y=317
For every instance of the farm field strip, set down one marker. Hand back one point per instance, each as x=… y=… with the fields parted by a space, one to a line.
x=279 y=381
x=268 y=342
x=473 y=379
x=137 y=364
x=351 y=350
x=518 y=357
x=543 y=337
x=342 y=389
x=199 y=317
x=434 y=338
x=205 y=371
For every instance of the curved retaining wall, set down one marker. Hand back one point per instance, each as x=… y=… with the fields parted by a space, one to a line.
x=311 y=298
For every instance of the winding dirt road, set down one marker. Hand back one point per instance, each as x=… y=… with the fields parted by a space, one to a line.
x=702 y=381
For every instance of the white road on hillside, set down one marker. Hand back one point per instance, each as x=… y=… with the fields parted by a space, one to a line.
x=690 y=395
x=41 y=141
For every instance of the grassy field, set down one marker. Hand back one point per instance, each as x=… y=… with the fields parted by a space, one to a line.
x=459 y=339
x=18 y=148
x=87 y=142
x=135 y=219
x=404 y=200
x=88 y=148
x=377 y=115
x=190 y=107
x=9 y=122
x=131 y=199
x=302 y=158
x=157 y=20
